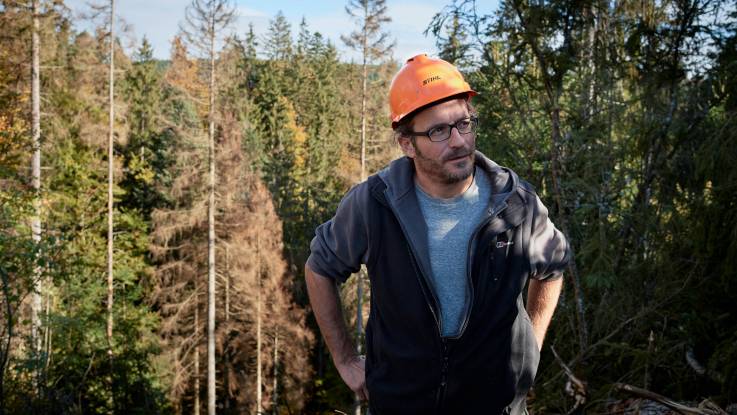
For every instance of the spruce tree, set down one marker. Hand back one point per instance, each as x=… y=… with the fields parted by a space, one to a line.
x=205 y=20
x=278 y=40
x=373 y=43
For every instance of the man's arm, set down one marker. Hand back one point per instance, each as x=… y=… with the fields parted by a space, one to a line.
x=542 y=297
x=325 y=301
x=549 y=253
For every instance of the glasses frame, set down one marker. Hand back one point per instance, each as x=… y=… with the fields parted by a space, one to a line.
x=474 y=122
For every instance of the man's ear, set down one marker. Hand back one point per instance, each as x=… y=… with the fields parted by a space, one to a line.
x=407 y=147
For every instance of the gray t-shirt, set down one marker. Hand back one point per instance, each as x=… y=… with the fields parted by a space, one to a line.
x=450 y=225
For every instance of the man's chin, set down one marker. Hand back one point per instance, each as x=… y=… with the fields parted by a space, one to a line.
x=460 y=174
x=462 y=165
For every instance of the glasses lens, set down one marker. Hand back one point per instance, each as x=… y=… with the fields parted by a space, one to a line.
x=439 y=133
x=464 y=126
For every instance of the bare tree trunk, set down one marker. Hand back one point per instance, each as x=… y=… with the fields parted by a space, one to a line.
x=36 y=173
x=276 y=372
x=589 y=58
x=359 y=285
x=211 y=235
x=196 y=349
x=227 y=283
x=47 y=333
x=111 y=116
x=363 y=117
x=226 y=317
x=259 y=408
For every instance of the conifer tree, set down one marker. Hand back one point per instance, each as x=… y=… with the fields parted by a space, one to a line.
x=205 y=20
x=148 y=155
x=260 y=298
x=278 y=40
x=455 y=46
x=178 y=235
x=589 y=100
x=110 y=169
x=36 y=167
x=373 y=43
x=22 y=262
x=250 y=234
x=72 y=246
x=250 y=43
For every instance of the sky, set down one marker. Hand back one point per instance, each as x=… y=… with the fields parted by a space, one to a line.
x=159 y=20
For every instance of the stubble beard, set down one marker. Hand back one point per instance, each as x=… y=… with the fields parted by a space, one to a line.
x=439 y=170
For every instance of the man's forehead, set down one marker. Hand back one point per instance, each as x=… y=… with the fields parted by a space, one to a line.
x=443 y=112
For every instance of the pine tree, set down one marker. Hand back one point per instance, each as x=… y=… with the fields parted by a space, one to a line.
x=205 y=19
x=148 y=155
x=592 y=103
x=21 y=255
x=36 y=167
x=110 y=180
x=260 y=298
x=249 y=233
x=373 y=44
x=455 y=48
x=278 y=40
x=181 y=224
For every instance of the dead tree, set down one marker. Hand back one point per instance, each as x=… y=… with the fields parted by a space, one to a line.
x=204 y=21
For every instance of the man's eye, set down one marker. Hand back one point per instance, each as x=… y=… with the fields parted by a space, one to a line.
x=463 y=124
x=438 y=131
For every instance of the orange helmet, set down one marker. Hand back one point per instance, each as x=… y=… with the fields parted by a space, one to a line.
x=422 y=81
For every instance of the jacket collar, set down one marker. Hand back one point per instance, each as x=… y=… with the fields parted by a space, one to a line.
x=402 y=199
x=399 y=179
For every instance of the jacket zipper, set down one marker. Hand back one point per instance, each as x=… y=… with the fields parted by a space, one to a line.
x=469 y=264
x=443 y=376
x=421 y=276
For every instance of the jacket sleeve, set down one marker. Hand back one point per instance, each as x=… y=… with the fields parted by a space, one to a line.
x=548 y=251
x=340 y=245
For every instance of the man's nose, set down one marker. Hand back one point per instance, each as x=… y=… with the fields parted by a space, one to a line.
x=456 y=139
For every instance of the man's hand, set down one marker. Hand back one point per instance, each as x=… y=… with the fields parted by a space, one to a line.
x=353 y=373
x=325 y=303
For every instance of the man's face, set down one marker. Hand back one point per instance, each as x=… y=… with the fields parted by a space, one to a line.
x=445 y=162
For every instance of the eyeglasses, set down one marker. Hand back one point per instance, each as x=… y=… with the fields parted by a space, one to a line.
x=442 y=132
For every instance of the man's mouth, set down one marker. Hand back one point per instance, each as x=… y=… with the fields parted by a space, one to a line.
x=458 y=157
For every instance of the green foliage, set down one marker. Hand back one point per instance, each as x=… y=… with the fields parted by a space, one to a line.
x=453 y=45
x=625 y=126
x=147 y=156
x=622 y=117
x=72 y=373
x=278 y=42
x=80 y=355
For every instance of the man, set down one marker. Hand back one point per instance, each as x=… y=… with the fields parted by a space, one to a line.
x=449 y=239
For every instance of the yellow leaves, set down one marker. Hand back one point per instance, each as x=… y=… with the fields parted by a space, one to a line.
x=184 y=75
x=13 y=137
x=12 y=124
x=708 y=193
x=141 y=170
x=299 y=135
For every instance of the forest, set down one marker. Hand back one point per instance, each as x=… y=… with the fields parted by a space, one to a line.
x=156 y=215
